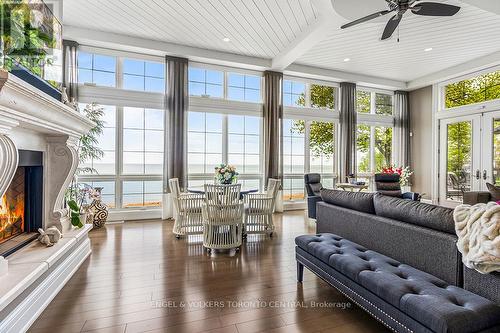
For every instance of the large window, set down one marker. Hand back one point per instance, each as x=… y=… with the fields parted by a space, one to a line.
x=142 y=193
x=309 y=95
x=242 y=87
x=143 y=75
x=217 y=138
x=294 y=93
x=478 y=89
x=374 y=132
x=142 y=141
x=204 y=142
x=96 y=69
x=107 y=142
x=130 y=172
x=374 y=102
x=374 y=148
x=244 y=143
x=206 y=83
x=322 y=96
x=308 y=146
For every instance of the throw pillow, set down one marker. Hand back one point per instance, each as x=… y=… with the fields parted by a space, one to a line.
x=494 y=191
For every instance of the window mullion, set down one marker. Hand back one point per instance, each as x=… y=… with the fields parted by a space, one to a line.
x=372 y=149
x=119 y=156
x=225 y=158
x=307 y=159
x=373 y=109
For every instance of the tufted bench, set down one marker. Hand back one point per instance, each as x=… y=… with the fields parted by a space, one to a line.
x=403 y=298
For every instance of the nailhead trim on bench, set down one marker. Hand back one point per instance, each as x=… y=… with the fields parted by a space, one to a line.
x=307 y=262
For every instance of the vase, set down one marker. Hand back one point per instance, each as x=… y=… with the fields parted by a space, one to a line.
x=97 y=210
x=405 y=188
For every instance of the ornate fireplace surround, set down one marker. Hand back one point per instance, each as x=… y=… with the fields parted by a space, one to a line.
x=32 y=120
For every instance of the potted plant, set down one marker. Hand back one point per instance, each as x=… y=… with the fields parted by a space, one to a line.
x=404 y=175
x=88 y=149
x=76 y=200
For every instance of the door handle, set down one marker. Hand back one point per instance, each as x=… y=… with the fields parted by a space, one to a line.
x=485 y=174
x=478 y=174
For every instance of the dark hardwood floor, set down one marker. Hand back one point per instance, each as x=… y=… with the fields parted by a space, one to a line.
x=139 y=278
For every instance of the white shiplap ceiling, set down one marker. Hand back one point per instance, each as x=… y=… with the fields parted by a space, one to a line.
x=470 y=34
x=280 y=29
x=255 y=27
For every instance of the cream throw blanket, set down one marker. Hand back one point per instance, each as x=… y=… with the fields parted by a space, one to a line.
x=478 y=230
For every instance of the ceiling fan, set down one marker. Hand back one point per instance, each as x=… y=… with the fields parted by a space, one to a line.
x=399 y=7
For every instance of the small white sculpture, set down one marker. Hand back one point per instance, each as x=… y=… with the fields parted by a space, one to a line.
x=50 y=236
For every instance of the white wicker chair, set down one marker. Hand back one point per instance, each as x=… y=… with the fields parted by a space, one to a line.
x=222 y=217
x=259 y=209
x=187 y=210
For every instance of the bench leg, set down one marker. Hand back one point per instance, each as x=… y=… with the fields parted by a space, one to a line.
x=300 y=272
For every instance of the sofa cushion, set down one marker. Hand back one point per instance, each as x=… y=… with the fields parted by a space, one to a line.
x=316 y=188
x=362 y=202
x=414 y=212
x=433 y=302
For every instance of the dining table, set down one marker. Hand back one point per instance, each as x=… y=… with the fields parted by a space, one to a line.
x=242 y=193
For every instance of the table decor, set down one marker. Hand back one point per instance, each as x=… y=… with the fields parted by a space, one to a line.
x=226 y=174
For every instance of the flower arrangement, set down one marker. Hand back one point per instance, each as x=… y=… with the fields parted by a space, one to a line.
x=403 y=172
x=225 y=174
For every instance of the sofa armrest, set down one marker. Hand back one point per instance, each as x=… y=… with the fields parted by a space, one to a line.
x=311 y=205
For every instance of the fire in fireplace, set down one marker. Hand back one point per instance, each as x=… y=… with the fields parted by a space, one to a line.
x=12 y=207
x=21 y=205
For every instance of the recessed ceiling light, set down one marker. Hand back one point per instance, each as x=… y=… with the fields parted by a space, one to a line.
x=347 y=59
x=226 y=39
x=428 y=49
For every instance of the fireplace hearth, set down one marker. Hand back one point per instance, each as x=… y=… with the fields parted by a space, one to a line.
x=21 y=205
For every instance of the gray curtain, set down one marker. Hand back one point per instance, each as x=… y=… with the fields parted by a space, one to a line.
x=176 y=107
x=273 y=125
x=348 y=125
x=70 y=69
x=402 y=126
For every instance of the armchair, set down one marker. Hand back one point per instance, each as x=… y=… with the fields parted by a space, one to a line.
x=187 y=210
x=259 y=209
x=222 y=217
x=388 y=184
x=313 y=187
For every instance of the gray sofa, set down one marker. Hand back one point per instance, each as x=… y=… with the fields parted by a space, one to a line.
x=398 y=260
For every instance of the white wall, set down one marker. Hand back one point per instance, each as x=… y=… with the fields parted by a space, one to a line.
x=421 y=141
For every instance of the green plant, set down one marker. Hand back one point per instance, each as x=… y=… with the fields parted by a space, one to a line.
x=22 y=41
x=88 y=148
x=75 y=213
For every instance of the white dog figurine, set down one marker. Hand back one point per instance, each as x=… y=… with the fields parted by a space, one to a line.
x=50 y=236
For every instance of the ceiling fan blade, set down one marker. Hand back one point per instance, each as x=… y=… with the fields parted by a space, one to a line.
x=434 y=9
x=392 y=25
x=366 y=18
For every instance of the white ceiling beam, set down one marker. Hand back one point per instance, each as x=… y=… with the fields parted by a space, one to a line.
x=341 y=76
x=478 y=64
x=310 y=36
x=112 y=41
x=121 y=42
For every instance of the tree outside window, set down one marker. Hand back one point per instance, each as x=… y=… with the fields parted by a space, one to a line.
x=479 y=89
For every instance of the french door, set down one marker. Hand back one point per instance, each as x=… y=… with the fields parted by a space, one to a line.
x=469 y=155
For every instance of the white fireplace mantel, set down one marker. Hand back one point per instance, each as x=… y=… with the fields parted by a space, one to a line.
x=33 y=120
x=27 y=114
